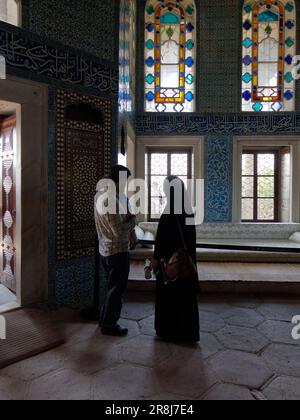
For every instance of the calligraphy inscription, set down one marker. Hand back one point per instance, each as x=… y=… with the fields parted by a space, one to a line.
x=56 y=63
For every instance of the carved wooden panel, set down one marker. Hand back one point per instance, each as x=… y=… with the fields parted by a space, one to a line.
x=8 y=202
x=84 y=130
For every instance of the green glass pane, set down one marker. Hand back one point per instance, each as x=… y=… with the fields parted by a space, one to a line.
x=150 y=44
x=247 y=42
x=247 y=78
x=289 y=42
x=257 y=107
x=190 y=10
x=150 y=79
x=170 y=18
x=190 y=44
x=289 y=7
x=289 y=77
x=248 y=8
x=170 y=32
x=150 y=10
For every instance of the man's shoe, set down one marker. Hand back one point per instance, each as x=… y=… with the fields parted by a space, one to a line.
x=115 y=331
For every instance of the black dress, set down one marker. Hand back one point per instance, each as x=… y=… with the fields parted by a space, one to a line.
x=176 y=313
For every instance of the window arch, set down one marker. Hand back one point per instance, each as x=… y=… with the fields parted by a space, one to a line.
x=10 y=11
x=170 y=55
x=269 y=45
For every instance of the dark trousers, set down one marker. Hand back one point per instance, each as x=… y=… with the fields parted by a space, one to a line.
x=117 y=268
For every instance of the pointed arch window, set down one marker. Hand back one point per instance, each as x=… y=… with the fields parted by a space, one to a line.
x=170 y=55
x=269 y=45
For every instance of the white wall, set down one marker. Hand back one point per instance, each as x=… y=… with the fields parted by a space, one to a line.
x=10 y=11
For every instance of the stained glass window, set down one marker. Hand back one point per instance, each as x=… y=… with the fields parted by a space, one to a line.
x=127 y=55
x=269 y=45
x=170 y=55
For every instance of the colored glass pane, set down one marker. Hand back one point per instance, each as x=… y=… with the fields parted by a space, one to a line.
x=170 y=18
x=170 y=54
x=268 y=50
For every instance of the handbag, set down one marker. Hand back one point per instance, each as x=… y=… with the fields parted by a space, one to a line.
x=180 y=265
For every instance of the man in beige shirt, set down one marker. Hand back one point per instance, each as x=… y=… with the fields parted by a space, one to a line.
x=116 y=232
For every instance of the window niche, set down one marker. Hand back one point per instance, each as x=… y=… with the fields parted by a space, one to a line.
x=266 y=180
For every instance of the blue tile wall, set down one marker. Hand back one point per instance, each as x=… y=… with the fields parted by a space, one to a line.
x=66 y=46
x=218 y=179
x=218 y=103
x=32 y=56
x=231 y=124
x=29 y=56
x=87 y=25
x=70 y=281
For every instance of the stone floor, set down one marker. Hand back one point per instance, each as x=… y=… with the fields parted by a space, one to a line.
x=246 y=353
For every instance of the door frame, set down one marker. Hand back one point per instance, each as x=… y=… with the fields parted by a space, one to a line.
x=31 y=100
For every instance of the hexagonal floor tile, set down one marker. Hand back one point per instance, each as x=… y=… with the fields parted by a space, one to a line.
x=278 y=332
x=124 y=382
x=62 y=385
x=210 y=322
x=244 y=339
x=212 y=306
x=229 y=392
x=186 y=374
x=283 y=311
x=144 y=350
x=136 y=311
x=283 y=359
x=240 y=368
x=35 y=367
x=242 y=317
x=77 y=331
x=209 y=345
x=284 y=388
x=91 y=357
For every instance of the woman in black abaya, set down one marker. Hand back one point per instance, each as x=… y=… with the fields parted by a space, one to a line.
x=176 y=313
